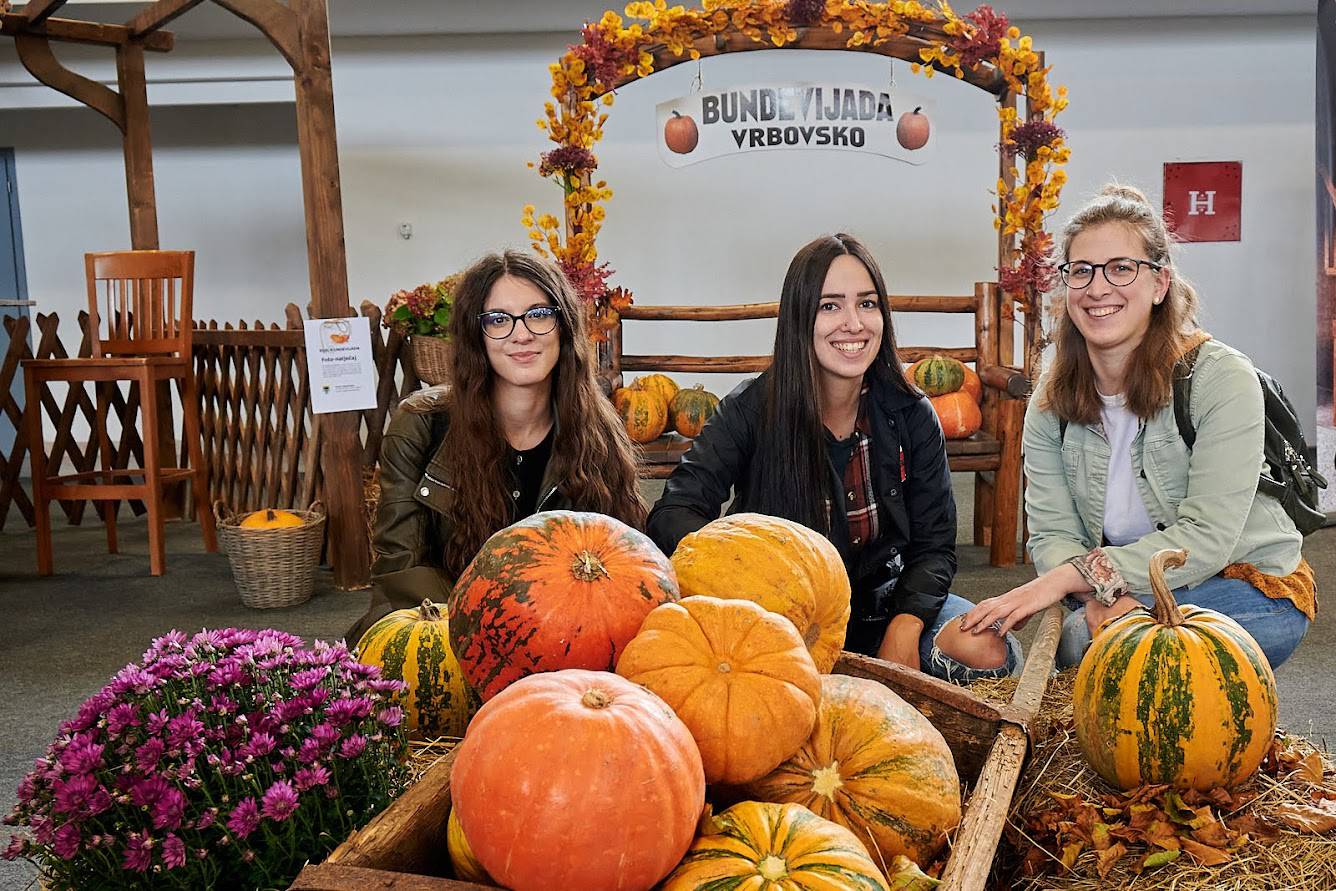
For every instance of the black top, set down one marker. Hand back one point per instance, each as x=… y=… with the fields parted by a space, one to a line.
x=841 y=451
x=528 y=466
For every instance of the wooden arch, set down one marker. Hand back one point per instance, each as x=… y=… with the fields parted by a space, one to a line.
x=299 y=30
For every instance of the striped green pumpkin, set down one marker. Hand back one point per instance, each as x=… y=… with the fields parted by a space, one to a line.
x=774 y=846
x=1181 y=695
x=938 y=375
x=413 y=646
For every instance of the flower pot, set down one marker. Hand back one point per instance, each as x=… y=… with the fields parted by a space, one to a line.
x=431 y=358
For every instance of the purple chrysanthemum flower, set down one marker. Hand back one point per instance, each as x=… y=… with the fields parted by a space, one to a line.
x=245 y=817
x=309 y=677
x=207 y=818
x=391 y=717
x=309 y=777
x=121 y=717
x=343 y=711
x=148 y=753
x=169 y=810
x=80 y=796
x=155 y=722
x=183 y=728
x=325 y=735
x=67 y=841
x=18 y=846
x=138 y=852
x=260 y=744
x=82 y=755
x=352 y=746
x=173 y=852
x=310 y=751
x=280 y=800
x=146 y=791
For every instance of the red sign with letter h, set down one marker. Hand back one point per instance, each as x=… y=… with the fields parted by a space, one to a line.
x=1202 y=200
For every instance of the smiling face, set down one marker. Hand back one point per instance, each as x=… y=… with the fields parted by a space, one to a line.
x=848 y=329
x=1113 y=319
x=523 y=359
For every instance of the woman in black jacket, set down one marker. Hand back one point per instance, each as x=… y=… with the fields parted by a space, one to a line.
x=834 y=436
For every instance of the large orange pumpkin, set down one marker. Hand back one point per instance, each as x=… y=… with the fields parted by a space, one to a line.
x=559 y=589
x=577 y=779
x=737 y=675
x=875 y=765
x=643 y=413
x=973 y=385
x=959 y=413
x=784 y=566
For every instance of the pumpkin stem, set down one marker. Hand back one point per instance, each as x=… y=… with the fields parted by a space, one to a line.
x=772 y=868
x=429 y=612
x=595 y=698
x=825 y=780
x=1166 y=608
x=588 y=567
x=269 y=515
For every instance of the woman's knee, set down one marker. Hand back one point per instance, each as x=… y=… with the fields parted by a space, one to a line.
x=983 y=651
x=1075 y=639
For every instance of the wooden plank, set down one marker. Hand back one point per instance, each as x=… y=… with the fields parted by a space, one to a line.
x=275 y=21
x=38 y=11
x=1008 y=380
x=138 y=149
x=74 y=31
x=1007 y=483
x=746 y=311
x=153 y=17
x=34 y=52
x=271 y=338
x=700 y=364
x=335 y=877
x=913 y=353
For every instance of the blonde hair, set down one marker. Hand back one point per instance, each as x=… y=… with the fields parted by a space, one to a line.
x=1071 y=392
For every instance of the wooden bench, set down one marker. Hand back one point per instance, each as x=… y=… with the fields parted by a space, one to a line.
x=993 y=453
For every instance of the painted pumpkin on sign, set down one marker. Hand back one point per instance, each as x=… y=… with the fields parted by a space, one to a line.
x=1176 y=695
x=559 y=589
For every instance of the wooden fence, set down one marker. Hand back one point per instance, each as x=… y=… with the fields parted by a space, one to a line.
x=260 y=440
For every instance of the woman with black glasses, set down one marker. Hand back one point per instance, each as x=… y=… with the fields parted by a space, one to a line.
x=1110 y=479
x=523 y=428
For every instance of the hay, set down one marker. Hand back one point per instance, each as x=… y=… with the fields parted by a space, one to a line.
x=423 y=754
x=1293 y=861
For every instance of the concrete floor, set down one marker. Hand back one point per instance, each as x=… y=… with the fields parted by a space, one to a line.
x=69 y=633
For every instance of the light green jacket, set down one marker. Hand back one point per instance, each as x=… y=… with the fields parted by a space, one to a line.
x=1204 y=501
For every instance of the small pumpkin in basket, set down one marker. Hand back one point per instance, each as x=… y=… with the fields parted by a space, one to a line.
x=691 y=409
x=762 y=846
x=643 y=413
x=959 y=414
x=413 y=646
x=271 y=519
x=937 y=375
x=737 y=675
x=781 y=565
x=875 y=765
x=577 y=780
x=1177 y=695
x=559 y=589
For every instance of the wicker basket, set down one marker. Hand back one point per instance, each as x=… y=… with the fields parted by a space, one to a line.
x=273 y=567
x=431 y=358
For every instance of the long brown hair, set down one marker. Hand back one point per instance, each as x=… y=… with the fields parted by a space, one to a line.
x=1149 y=378
x=591 y=456
x=791 y=465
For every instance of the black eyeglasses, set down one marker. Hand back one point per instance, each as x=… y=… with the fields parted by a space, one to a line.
x=1119 y=272
x=497 y=324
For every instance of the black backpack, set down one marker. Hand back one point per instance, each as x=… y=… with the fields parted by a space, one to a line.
x=1287 y=477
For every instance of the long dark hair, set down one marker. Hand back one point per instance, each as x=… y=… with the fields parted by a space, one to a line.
x=792 y=475
x=592 y=456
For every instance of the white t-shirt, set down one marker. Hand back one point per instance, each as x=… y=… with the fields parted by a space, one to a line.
x=1125 y=517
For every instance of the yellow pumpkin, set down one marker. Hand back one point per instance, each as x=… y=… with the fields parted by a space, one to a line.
x=876 y=766
x=661 y=384
x=960 y=415
x=271 y=519
x=466 y=866
x=643 y=412
x=737 y=675
x=774 y=847
x=784 y=566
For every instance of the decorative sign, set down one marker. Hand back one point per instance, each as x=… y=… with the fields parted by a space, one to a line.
x=828 y=117
x=1202 y=200
x=339 y=365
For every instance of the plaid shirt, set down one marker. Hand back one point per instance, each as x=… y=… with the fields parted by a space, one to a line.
x=860 y=497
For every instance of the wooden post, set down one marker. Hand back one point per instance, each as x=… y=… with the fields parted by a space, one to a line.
x=986 y=298
x=341 y=449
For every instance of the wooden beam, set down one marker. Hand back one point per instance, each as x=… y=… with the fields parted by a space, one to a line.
x=38 y=11
x=138 y=147
x=151 y=18
x=35 y=53
x=71 y=31
x=275 y=21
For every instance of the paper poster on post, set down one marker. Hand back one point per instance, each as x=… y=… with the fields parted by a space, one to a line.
x=340 y=365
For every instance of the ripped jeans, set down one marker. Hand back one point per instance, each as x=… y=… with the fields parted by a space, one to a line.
x=865 y=635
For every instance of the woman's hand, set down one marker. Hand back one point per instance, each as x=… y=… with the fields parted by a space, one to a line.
x=1013 y=609
x=1096 y=613
x=900 y=644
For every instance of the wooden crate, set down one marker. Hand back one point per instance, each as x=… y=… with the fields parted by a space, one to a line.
x=404 y=849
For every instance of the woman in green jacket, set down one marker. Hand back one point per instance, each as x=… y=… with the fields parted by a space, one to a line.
x=1109 y=479
x=523 y=428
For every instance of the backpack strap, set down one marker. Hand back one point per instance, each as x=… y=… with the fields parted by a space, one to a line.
x=1183 y=396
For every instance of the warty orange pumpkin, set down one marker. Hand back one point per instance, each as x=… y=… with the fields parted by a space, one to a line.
x=737 y=675
x=876 y=766
x=781 y=565
x=559 y=589
x=643 y=413
x=577 y=779
x=661 y=384
x=691 y=409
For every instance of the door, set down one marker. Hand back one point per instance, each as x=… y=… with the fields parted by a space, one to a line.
x=13 y=282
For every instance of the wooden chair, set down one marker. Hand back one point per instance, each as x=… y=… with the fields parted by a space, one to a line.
x=993 y=453
x=144 y=299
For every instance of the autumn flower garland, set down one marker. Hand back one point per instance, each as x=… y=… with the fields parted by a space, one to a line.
x=612 y=50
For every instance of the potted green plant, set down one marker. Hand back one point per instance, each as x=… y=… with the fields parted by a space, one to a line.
x=423 y=316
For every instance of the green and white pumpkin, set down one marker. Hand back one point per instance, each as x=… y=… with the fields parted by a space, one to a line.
x=938 y=375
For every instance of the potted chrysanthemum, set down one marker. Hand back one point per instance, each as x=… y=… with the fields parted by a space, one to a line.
x=423 y=315
x=227 y=759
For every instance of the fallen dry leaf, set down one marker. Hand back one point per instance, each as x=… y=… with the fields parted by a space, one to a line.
x=1108 y=857
x=1206 y=855
x=1316 y=819
x=1310 y=768
x=1213 y=834
x=906 y=876
x=1162 y=834
x=1254 y=826
x=1071 y=852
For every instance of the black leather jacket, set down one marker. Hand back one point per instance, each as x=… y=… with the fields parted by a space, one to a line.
x=411 y=526
x=908 y=568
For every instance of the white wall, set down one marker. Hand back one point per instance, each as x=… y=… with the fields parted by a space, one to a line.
x=436 y=131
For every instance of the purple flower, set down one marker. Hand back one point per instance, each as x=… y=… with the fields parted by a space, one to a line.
x=155 y=722
x=171 y=642
x=147 y=791
x=138 y=852
x=183 y=728
x=308 y=678
x=280 y=800
x=245 y=817
x=207 y=818
x=27 y=789
x=121 y=717
x=148 y=753
x=132 y=678
x=82 y=755
x=385 y=685
x=325 y=735
x=310 y=751
x=169 y=810
x=18 y=846
x=80 y=796
x=309 y=777
x=223 y=705
x=345 y=710
x=391 y=717
x=67 y=841
x=260 y=744
x=352 y=746
x=173 y=852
